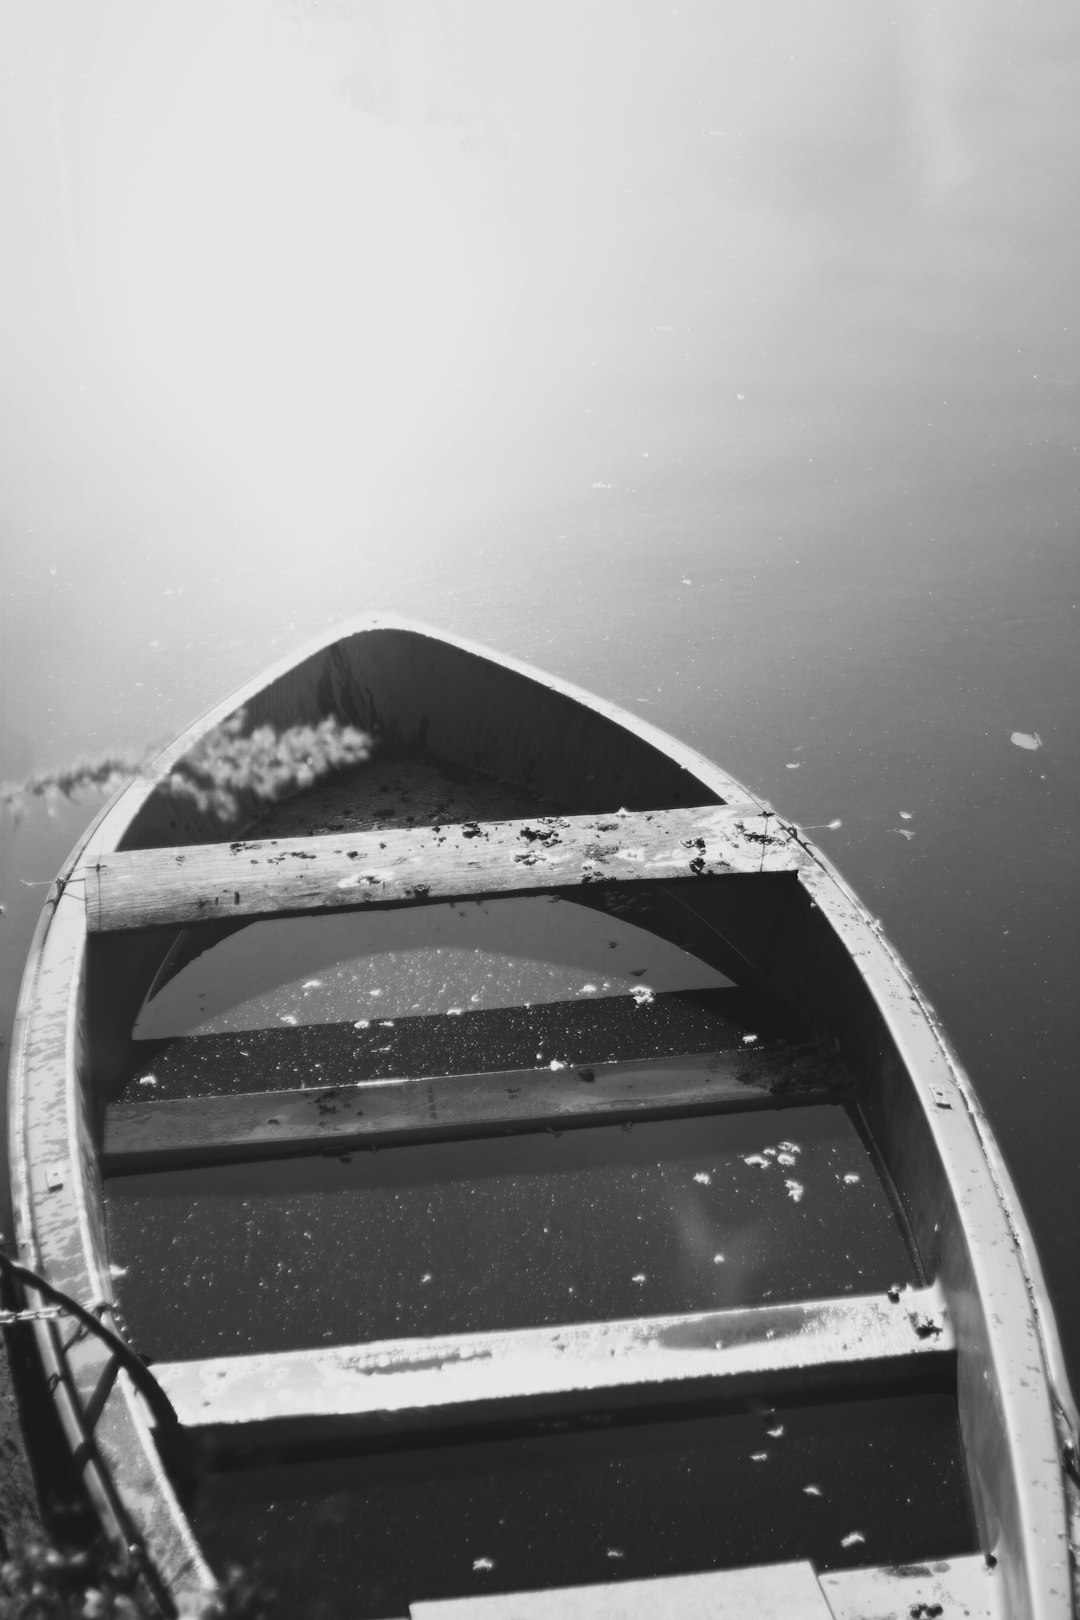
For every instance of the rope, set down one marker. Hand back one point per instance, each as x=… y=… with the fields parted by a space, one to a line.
x=147 y=1385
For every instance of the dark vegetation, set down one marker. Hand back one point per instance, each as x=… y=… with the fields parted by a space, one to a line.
x=44 y=1581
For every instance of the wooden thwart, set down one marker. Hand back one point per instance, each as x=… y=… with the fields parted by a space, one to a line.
x=264 y=1124
x=407 y=866
x=966 y=1586
x=764 y=1351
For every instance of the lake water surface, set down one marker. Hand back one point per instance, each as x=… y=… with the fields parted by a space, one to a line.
x=722 y=359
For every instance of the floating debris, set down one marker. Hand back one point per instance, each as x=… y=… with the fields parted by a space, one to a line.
x=776 y=1431
x=703 y=1176
x=811 y=1490
x=905 y=815
x=756 y=1158
x=587 y=990
x=638 y=1277
x=288 y=1018
x=642 y=995
x=362 y=1023
x=853 y=1539
x=311 y=984
x=555 y=1064
x=615 y=1552
x=851 y=1178
x=718 y=1259
x=793 y=764
x=789 y=1147
x=1026 y=739
x=786 y=1159
x=795 y=1190
x=483 y=1563
x=148 y=1080
x=759 y=1456
x=748 y=1040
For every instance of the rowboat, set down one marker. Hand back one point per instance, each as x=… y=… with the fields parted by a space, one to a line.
x=515 y=1177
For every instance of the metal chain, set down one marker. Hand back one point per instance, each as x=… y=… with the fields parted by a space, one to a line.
x=47 y=1313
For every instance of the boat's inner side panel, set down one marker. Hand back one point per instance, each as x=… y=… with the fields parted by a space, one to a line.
x=598 y=1500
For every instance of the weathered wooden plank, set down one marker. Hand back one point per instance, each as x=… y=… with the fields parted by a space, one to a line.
x=788 y=1591
x=265 y=1124
x=407 y=866
x=792 y=1591
x=762 y=1351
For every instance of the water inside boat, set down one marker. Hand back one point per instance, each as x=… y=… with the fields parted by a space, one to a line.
x=489 y=1230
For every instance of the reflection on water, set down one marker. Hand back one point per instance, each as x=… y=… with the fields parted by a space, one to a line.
x=600 y=1501
x=461 y=1236
x=360 y=966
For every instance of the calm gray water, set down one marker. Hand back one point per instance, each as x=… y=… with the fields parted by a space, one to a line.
x=720 y=358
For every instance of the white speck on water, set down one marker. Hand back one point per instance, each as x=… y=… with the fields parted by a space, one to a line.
x=756 y=1158
x=615 y=1552
x=703 y=1176
x=811 y=1490
x=454 y=1012
x=853 y=1539
x=387 y=1023
x=793 y=764
x=426 y=1278
x=638 y=1277
x=483 y=1563
x=759 y=1456
x=851 y=1178
x=786 y=1159
x=905 y=815
x=555 y=1064
x=795 y=1189
x=718 y=1260
x=642 y=994
x=287 y=1018
x=776 y=1431
x=587 y=990
x=362 y=1023
x=148 y=1080
x=374 y=992
x=118 y=1271
x=687 y=581
x=1026 y=739
x=311 y=984
x=748 y=1040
